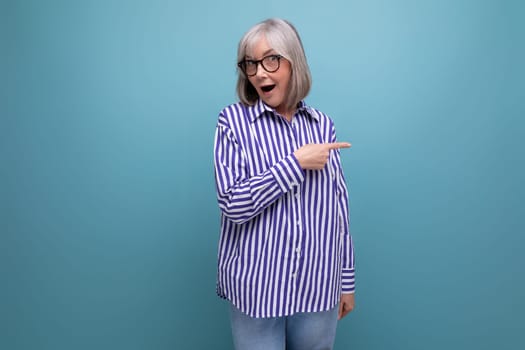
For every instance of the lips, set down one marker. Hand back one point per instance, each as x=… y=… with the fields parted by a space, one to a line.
x=267 y=88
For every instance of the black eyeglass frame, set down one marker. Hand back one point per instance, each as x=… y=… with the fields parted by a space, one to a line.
x=242 y=64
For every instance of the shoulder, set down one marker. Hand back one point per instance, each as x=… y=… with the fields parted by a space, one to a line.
x=230 y=114
x=233 y=109
x=233 y=113
x=237 y=118
x=318 y=115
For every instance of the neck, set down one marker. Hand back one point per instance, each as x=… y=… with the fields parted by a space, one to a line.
x=287 y=114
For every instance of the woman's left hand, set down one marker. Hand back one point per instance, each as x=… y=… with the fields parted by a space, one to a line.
x=346 y=305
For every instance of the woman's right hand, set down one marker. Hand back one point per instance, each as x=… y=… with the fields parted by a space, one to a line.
x=313 y=156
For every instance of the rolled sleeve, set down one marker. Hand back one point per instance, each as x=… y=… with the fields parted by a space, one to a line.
x=288 y=173
x=348 y=281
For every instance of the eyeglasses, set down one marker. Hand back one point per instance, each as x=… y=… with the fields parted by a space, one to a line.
x=270 y=63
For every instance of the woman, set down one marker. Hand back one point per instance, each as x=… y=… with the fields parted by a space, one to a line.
x=285 y=259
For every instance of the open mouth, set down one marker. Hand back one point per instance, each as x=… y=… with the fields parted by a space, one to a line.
x=267 y=88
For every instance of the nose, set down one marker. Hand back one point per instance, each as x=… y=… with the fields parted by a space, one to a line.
x=259 y=70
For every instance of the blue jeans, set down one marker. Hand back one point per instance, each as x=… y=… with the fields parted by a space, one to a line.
x=301 y=331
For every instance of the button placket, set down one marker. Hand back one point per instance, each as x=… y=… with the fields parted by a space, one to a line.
x=296 y=200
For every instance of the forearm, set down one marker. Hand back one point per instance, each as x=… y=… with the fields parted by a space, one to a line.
x=242 y=200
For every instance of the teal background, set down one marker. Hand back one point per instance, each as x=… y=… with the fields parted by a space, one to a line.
x=109 y=223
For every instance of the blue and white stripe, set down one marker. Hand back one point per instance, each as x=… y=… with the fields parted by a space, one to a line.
x=285 y=244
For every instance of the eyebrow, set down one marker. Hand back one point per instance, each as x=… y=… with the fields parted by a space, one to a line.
x=264 y=53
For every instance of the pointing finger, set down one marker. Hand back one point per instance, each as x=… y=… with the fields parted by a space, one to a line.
x=338 y=145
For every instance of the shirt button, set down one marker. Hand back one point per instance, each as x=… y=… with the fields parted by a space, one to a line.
x=298 y=250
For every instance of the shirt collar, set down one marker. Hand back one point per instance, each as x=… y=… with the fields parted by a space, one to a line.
x=260 y=108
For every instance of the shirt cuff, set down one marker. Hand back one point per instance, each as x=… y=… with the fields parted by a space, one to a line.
x=288 y=173
x=348 y=281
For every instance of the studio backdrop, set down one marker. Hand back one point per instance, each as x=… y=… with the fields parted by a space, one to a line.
x=108 y=215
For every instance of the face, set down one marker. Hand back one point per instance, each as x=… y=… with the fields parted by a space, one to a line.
x=272 y=88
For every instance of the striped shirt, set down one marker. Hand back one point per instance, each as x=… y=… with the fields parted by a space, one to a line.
x=285 y=245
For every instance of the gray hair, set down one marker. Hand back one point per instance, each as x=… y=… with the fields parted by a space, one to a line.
x=284 y=39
